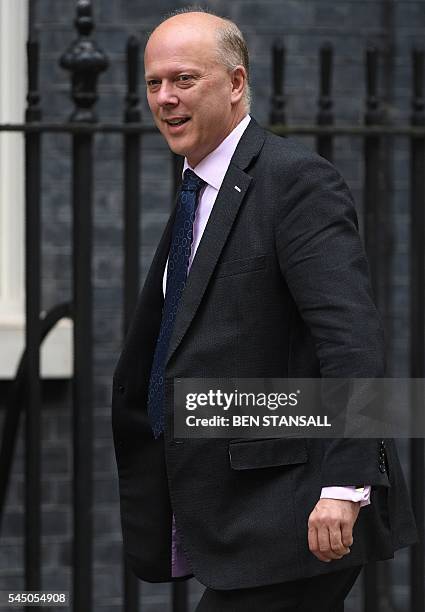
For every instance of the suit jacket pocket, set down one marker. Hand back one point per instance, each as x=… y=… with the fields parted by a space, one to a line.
x=272 y=452
x=240 y=266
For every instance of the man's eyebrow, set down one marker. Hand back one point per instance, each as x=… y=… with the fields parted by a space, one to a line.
x=172 y=72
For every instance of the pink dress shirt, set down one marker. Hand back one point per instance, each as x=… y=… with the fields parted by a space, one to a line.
x=212 y=170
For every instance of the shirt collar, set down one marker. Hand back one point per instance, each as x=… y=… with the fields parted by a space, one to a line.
x=212 y=169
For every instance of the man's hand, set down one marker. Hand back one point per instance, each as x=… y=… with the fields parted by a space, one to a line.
x=330 y=528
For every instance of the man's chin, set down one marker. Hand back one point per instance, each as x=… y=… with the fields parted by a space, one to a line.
x=177 y=147
x=180 y=146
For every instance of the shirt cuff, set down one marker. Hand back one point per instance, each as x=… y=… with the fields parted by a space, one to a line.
x=355 y=494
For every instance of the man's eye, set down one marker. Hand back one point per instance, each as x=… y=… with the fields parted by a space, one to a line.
x=152 y=83
x=184 y=78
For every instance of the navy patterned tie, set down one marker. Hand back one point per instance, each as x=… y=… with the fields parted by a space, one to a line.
x=178 y=261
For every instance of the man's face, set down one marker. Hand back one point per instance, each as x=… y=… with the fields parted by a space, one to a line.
x=190 y=94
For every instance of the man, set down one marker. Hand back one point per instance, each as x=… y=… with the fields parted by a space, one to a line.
x=260 y=273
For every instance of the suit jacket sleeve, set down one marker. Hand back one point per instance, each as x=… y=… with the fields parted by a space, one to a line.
x=323 y=261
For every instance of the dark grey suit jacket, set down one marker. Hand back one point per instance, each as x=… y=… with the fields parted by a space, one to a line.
x=278 y=288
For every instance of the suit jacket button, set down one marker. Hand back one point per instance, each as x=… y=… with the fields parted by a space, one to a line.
x=382 y=467
x=121 y=389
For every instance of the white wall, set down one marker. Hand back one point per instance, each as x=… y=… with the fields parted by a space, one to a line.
x=56 y=356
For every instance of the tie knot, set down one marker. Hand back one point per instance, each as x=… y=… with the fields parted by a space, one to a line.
x=191 y=182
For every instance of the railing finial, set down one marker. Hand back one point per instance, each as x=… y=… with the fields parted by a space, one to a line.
x=85 y=60
x=83 y=22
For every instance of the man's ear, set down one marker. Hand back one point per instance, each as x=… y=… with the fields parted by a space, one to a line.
x=239 y=83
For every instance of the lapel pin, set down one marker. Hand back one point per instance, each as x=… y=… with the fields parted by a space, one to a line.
x=237 y=188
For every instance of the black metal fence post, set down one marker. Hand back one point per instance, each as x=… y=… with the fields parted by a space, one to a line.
x=371 y=219
x=277 y=111
x=372 y=191
x=85 y=61
x=325 y=115
x=417 y=326
x=180 y=596
x=33 y=329
x=132 y=177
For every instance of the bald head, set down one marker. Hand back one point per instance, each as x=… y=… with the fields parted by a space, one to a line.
x=196 y=19
x=227 y=42
x=197 y=82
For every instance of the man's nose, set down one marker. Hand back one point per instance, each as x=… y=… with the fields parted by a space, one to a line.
x=166 y=95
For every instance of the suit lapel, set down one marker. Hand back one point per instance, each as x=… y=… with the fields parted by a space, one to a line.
x=223 y=215
x=153 y=283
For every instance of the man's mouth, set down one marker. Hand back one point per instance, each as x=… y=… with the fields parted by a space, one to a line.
x=177 y=121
